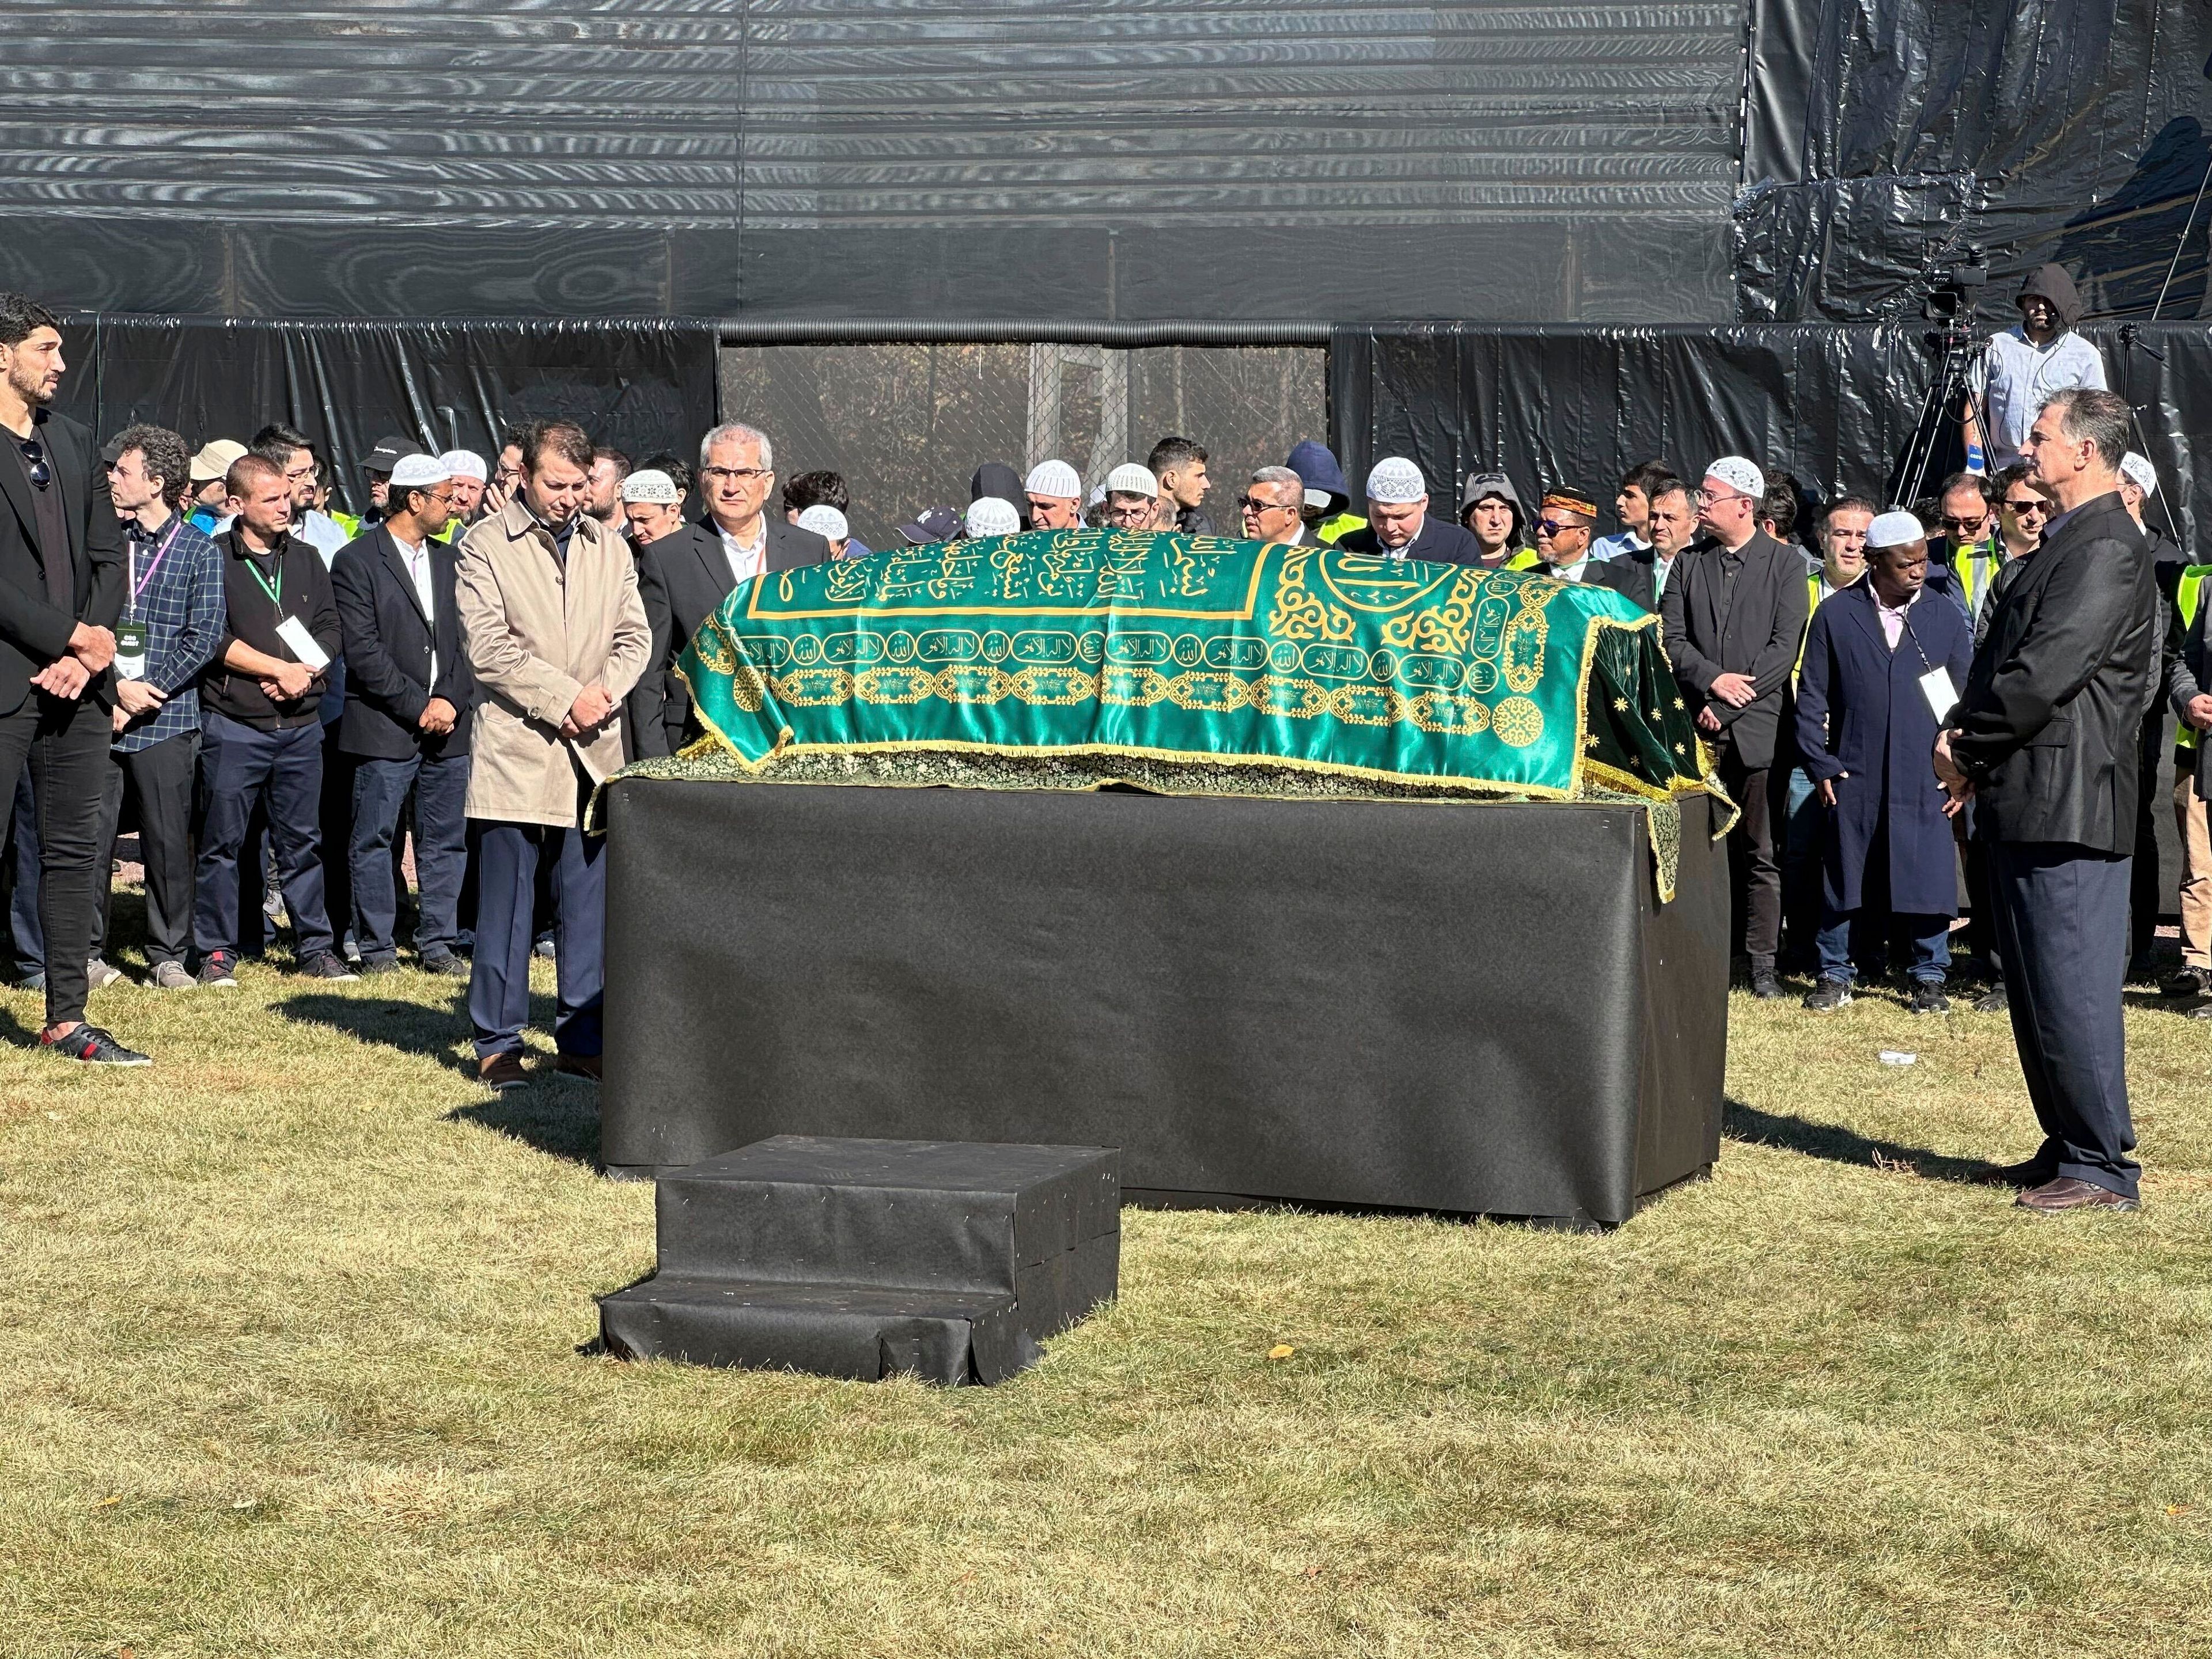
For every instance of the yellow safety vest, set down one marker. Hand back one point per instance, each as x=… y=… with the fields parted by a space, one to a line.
x=1524 y=560
x=1342 y=525
x=1992 y=553
x=347 y=522
x=2185 y=600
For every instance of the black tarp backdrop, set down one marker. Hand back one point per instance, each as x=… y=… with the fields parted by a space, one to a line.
x=1116 y=159
x=1883 y=136
x=1834 y=406
x=639 y=386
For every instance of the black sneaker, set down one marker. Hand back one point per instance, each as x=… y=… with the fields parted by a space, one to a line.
x=1993 y=1001
x=2189 y=983
x=448 y=963
x=1928 y=998
x=1829 y=995
x=380 y=965
x=324 y=965
x=219 y=969
x=95 y=1048
x=1765 y=986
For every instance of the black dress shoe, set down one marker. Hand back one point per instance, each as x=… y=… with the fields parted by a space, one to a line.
x=2066 y=1193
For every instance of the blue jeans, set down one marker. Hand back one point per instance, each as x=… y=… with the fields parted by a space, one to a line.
x=507 y=859
x=1931 y=945
x=380 y=790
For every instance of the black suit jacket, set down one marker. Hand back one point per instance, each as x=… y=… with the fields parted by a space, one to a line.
x=33 y=631
x=1441 y=541
x=1634 y=573
x=2049 y=727
x=684 y=577
x=388 y=641
x=1765 y=630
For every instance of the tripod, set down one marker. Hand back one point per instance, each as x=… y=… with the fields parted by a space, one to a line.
x=1955 y=342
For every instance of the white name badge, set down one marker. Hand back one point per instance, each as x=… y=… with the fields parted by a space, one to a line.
x=1942 y=696
x=294 y=633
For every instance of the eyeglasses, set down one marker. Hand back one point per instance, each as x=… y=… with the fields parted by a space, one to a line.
x=734 y=474
x=34 y=457
x=1964 y=524
x=2032 y=504
x=1253 y=504
x=1553 y=527
x=1714 y=497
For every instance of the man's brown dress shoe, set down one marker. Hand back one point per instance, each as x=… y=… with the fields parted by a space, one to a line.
x=584 y=1068
x=2068 y=1194
x=501 y=1071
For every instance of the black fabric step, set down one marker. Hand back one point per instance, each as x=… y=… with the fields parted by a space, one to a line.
x=958 y=1215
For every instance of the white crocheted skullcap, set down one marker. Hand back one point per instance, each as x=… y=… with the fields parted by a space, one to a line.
x=1395 y=480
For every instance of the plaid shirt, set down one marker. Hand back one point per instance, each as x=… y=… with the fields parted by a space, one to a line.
x=182 y=609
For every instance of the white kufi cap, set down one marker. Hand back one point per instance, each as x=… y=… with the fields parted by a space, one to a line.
x=1740 y=475
x=418 y=472
x=1132 y=480
x=825 y=521
x=1054 y=479
x=1395 y=480
x=651 y=485
x=990 y=516
x=1895 y=529
x=466 y=464
x=2138 y=471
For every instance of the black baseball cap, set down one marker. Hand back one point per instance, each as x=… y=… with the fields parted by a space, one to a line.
x=935 y=524
x=388 y=453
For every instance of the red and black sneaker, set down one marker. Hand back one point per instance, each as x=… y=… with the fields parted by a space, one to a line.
x=95 y=1046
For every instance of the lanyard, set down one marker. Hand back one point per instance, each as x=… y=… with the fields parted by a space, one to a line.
x=139 y=584
x=276 y=593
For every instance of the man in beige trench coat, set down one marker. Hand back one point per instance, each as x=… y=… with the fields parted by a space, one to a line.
x=558 y=637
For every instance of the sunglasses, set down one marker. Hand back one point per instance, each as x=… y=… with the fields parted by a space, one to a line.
x=34 y=457
x=1553 y=527
x=2031 y=505
x=1250 y=504
x=1950 y=523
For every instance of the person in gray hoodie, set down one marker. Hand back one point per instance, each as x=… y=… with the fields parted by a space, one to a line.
x=2023 y=367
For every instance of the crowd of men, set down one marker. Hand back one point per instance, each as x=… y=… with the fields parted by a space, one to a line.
x=281 y=696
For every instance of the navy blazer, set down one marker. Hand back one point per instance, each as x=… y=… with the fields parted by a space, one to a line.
x=1864 y=723
x=387 y=641
x=1441 y=542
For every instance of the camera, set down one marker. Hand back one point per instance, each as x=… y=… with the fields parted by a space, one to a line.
x=1951 y=301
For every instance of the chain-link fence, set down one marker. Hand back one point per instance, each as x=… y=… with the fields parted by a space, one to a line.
x=907 y=425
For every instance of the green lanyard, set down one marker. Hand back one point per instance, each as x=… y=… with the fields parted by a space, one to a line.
x=276 y=593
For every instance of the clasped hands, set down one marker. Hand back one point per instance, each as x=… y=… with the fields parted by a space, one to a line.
x=593 y=708
x=1736 y=690
x=1957 y=786
x=90 y=650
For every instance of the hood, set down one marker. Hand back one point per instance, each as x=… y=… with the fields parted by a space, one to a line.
x=1480 y=484
x=997 y=479
x=1317 y=469
x=2052 y=284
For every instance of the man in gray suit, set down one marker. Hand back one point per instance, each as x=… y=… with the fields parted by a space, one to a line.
x=1733 y=619
x=684 y=577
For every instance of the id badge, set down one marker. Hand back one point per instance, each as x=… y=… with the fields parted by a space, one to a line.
x=130 y=650
x=1942 y=696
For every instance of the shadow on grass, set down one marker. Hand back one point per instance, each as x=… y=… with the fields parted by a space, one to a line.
x=559 y=1119
x=1841 y=1145
x=414 y=1028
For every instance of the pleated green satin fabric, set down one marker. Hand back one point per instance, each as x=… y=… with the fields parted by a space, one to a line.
x=1073 y=658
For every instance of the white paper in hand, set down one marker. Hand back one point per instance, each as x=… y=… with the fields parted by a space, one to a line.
x=1942 y=695
x=294 y=633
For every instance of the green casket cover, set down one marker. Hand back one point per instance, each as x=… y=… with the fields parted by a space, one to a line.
x=1077 y=658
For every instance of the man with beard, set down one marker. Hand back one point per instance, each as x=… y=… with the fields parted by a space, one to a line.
x=61 y=591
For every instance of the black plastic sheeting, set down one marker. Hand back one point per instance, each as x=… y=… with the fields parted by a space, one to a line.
x=1314 y=159
x=1834 y=407
x=1884 y=137
x=640 y=386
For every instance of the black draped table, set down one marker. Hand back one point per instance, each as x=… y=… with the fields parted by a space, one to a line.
x=1460 y=1007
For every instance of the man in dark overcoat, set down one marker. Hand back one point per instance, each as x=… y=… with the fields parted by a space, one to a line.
x=1867 y=719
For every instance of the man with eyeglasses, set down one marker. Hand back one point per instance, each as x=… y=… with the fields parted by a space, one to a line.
x=61 y=593
x=684 y=577
x=409 y=694
x=1271 y=509
x=1734 y=618
x=1133 y=500
x=1564 y=522
x=1973 y=550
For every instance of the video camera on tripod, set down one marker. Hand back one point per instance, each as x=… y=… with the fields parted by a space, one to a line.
x=1950 y=303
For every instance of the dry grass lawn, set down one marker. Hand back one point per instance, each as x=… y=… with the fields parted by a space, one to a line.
x=292 y=1367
